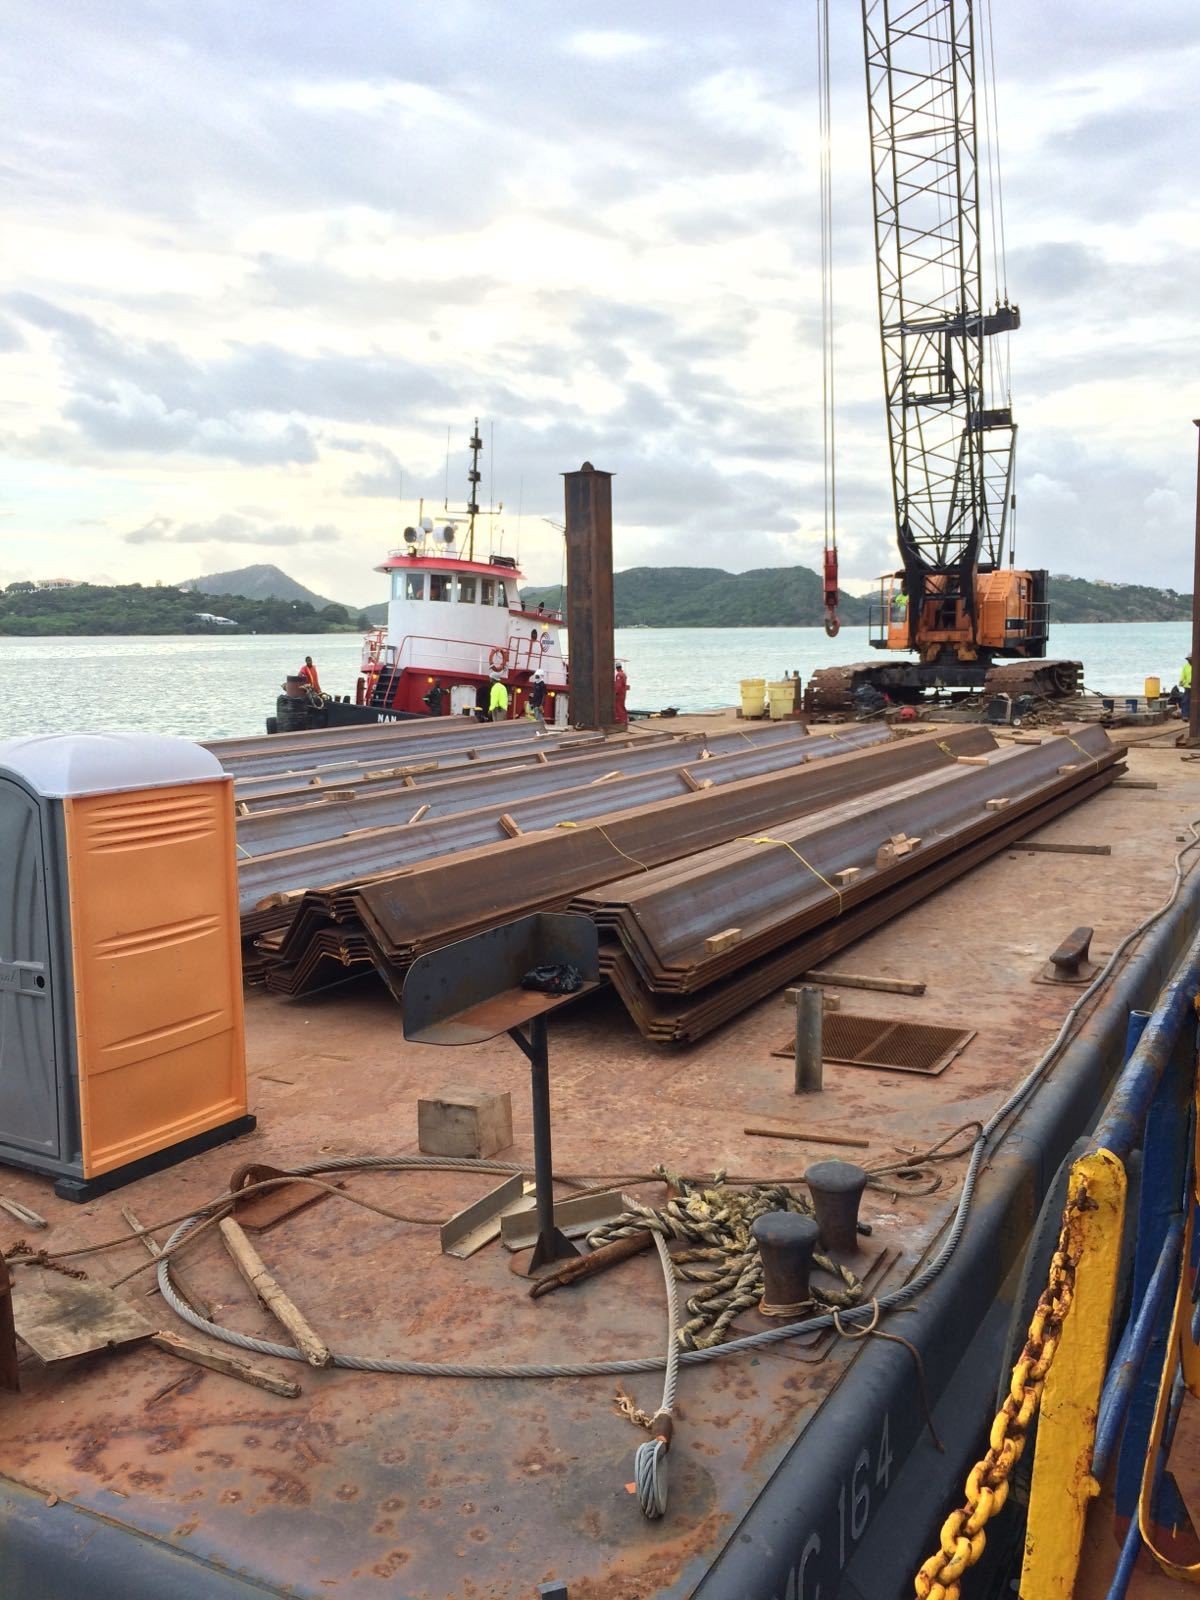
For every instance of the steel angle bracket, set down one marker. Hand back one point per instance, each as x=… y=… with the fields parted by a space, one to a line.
x=574 y=1217
x=479 y=1223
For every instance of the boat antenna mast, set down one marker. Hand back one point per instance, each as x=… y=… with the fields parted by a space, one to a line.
x=475 y=444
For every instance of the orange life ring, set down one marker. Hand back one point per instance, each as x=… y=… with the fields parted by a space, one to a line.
x=498 y=658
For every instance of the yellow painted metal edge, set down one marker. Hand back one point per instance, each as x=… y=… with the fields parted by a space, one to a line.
x=1062 y=1481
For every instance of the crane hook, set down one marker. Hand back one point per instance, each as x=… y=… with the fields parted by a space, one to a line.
x=832 y=625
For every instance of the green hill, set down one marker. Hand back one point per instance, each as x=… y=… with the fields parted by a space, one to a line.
x=790 y=597
x=88 y=608
x=707 y=597
x=1080 y=600
x=265 y=581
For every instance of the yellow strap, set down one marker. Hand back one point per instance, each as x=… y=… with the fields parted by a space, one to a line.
x=607 y=840
x=746 y=839
x=946 y=750
x=245 y=852
x=1087 y=756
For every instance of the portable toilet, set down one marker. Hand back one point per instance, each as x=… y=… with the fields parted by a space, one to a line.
x=122 y=1042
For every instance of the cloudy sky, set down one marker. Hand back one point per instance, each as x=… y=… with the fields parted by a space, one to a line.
x=259 y=255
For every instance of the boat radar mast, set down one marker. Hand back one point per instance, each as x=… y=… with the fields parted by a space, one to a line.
x=476 y=445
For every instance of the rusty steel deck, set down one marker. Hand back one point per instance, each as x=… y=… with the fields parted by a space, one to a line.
x=426 y=1489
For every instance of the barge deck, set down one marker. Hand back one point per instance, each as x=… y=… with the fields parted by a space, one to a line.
x=800 y=1468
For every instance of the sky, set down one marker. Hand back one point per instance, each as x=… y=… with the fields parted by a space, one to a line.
x=263 y=258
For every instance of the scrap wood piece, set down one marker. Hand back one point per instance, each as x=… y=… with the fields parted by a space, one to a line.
x=254 y=1270
x=896 y=847
x=232 y=1366
x=31 y=1219
x=813 y=1135
x=1133 y=783
x=864 y=980
x=608 y=1255
x=265 y=1207
x=694 y=784
x=183 y=1288
x=60 y=1317
x=511 y=827
x=418 y=814
x=726 y=940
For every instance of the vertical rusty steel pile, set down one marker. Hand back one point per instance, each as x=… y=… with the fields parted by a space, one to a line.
x=717 y=868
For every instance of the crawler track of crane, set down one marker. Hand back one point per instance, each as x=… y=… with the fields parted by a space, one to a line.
x=830 y=690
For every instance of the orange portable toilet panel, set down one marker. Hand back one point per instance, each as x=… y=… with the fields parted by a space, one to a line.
x=156 y=967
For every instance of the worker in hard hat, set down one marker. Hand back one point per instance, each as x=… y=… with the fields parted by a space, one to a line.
x=620 y=690
x=1185 y=685
x=537 y=699
x=498 y=698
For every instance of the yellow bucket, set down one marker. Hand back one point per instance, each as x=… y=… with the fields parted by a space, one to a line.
x=754 y=693
x=782 y=699
x=1153 y=688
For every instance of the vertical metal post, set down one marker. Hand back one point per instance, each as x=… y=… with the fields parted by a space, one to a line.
x=551 y=1244
x=1164 y=1156
x=590 y=596
x=809 y=1043
x=1193 y=733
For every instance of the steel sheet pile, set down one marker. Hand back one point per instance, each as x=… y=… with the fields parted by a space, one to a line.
x=717 y=868
x=357 y=835
x=786 y=900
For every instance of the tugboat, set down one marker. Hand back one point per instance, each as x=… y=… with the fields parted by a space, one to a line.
x=455 y=625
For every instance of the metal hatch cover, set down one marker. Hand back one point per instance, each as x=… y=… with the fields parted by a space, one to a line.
x=888 y=1043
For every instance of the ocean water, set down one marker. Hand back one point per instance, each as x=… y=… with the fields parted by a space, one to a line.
x=206 y=687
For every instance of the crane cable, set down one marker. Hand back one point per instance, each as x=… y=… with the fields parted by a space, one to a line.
x=828 y=437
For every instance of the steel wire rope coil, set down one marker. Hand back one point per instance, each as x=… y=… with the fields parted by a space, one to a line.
x=899 y=1297
x=650 y=1457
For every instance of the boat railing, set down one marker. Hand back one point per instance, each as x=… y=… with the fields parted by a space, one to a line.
x=518 y=654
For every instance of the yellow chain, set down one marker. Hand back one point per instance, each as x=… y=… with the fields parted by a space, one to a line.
x=964 y=1534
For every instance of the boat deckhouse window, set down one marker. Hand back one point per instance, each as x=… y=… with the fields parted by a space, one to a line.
x=466 y=591
x=487 y=591
x=414 y=585
x=441 y=586
x=501 y=595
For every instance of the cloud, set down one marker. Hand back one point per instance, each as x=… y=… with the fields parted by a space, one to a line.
x=242 y=246
x=229 y=528
x=608 y=44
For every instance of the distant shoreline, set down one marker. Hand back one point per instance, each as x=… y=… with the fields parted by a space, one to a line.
x=635 y=627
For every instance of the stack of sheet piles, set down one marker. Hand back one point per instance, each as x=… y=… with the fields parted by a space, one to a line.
x=717 y=868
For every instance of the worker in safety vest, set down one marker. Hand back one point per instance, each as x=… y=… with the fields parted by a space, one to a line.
x=498 y=699
x=308 y=676
x=1185 y=684
x=620 y=690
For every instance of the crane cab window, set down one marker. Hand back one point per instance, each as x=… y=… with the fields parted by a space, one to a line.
x=441 y=586
x=413 y=585
x=501 y=594
x=487 y=591
x=466 y=591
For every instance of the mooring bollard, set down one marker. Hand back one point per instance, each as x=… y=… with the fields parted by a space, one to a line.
x=809 y=1002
